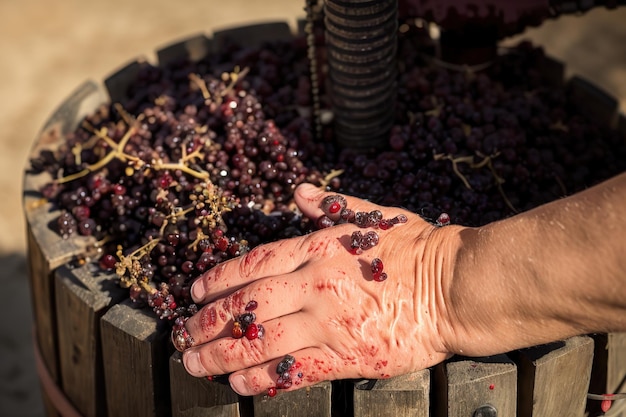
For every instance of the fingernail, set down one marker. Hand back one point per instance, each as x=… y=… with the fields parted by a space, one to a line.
x=191 y=360
x=309 y=190
x=197 y=290
x=239 y=385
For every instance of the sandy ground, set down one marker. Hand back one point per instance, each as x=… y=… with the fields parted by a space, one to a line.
x=48 y=48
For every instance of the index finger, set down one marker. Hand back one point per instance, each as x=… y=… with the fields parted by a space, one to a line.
x=277 y=258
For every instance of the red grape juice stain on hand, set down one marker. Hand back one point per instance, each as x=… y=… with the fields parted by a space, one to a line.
x=208 y=319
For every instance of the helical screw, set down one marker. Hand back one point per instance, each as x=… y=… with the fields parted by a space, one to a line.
x=361 y=40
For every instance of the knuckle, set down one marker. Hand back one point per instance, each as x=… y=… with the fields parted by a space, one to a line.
x=250 y=262
x=255 y=351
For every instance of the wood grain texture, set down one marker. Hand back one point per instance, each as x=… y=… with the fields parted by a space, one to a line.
x=314 y=401
x=472 y=383
x=402 y=396
x=198 y=397
x=82 y=297
x=46 y=249
x=616 y=371
x=135 y=355
x=554 y=378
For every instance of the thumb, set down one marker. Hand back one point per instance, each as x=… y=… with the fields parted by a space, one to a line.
x=309 y=198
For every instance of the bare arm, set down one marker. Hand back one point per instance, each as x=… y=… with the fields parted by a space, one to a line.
x=552 y=272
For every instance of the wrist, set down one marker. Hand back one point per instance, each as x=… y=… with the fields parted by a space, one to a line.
x=436 y=250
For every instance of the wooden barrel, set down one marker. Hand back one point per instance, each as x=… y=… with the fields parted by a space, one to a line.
x=100 y=357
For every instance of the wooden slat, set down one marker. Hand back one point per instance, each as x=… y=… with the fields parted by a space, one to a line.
x=82 y=297
x=402 y=396
x=40 y=213
x=472 y=383
x=608 y=375
x=193 y=48
x=82 y=101
x=42 y=298
x=117 y=84
x=198 y=397
x=252 y=36
x=594 y=102
x=554 y=378
x=314 y=401
x=135 y=354
x=621 y=125
x=46 y=249
x=616 y=371
x=553 y=71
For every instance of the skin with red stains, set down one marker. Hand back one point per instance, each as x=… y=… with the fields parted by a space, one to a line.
x=356 y=334
x=451 y=290
x=208 y=318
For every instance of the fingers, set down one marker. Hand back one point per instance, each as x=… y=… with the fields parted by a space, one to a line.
x=310 y=366
x=267 y=299
x=275 y=258
x=272 y=259
x=282 y=335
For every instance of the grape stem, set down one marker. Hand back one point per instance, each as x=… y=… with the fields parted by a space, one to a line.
x=201 y=84
x=324 y=182
x=116 y=152
x=235 y=76
x=486 y=161
x=437 y=107
x=201 y=235
x=131 y=263
x=182 y=164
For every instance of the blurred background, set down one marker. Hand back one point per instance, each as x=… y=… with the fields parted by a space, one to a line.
x=49 y=48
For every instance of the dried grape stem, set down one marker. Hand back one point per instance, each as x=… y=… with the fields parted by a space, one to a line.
x=128 y=118
x=201 y=84
x=116 y=153
x=235 y=76
x=201 y=235
x=486 y=161
x=130 y=263
x=328 y=177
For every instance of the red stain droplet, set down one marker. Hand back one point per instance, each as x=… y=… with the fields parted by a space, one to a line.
x=605 y=405
x=492 y=386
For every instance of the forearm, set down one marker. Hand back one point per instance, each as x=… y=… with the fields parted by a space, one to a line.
x=549 y=273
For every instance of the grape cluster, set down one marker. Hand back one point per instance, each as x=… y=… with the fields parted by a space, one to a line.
x=199 y=162
x=168 y=191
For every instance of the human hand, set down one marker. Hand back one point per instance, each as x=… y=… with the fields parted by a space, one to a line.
x=317 y=301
